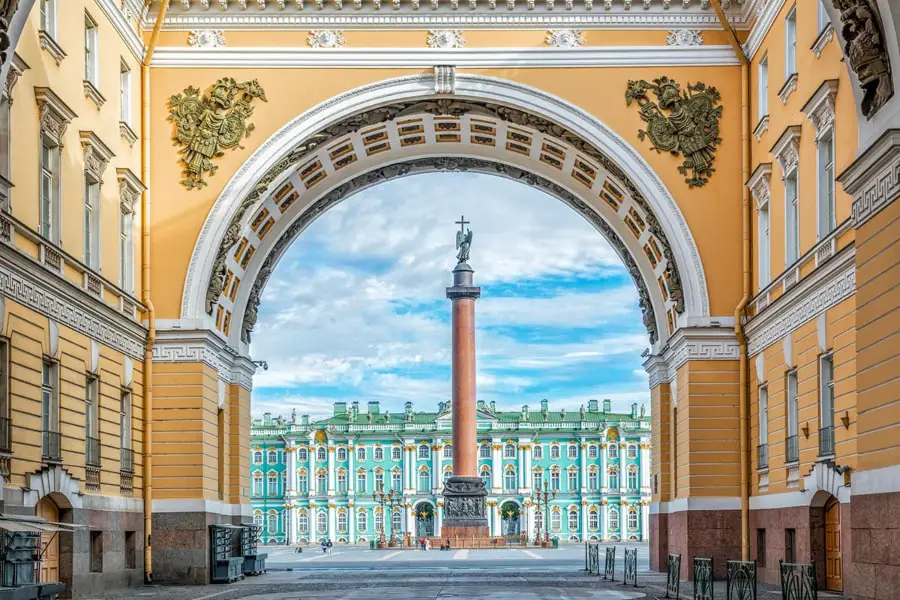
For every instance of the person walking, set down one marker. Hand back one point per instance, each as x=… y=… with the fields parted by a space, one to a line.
x=329 y=545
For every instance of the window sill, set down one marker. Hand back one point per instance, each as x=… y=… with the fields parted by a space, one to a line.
x=49 y=45
x=823 y=40
x=789 y=87
x=93 y=94
x=127 y=133
x=762 y=127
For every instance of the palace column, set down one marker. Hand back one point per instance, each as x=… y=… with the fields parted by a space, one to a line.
x=496 y=523
x=439 y=516
x=436 y=475
x=582 y=447
x=332 y=521
x=351 y=522
x=529 y=476
x=604 y=525
x=529 y=521
x=351 y=472
x=496 y=465
x=331 y=467
x=604 y=477
x=311 y=479
x=408 y=466
x=584 y=520
x=645 y=520
x=464 y=493
x=645 y=466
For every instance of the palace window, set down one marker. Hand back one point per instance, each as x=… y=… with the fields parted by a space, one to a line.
x=613 y=451
x=49 y=190
x=613 y=479
x=303 y=522
x=91 y=52
x=763 y=97
x=592 y=451
x=538 y=475
x=48 y=17
x=342 y=482
x=632 y=518
x=448 y=451
x=91 y=417
x=379 y=480
x=273 y=484
x=632 y=450
x=573 y=451
x=397 y=521
x=258 y=519
x=257 y=484
x=763 y=415
x=424 y=452
x=554 y=452
x=361 y=482
x=792 y=220
x=360 y=453
x=379 y=521
x=50 y=408
x=342 y=521
x=593 y=484
x=790 y=43
x=341 y=454
x=302 y=454
x=537 y=453
x=124 y=93
x=554 y=480
x=447 y=474
x=792 y=453
x=614 y=519
x=593 y=519
x=302 y=481
x=396 y=480
x=509 y=480
x=321 y=483
x=573 y=480
x=321 y=454
x=283 y=478
x=273 y=522
x=272 y=457
x=826 y=401
x=632 y=477
x=396 y=453
x=825 y=155
x=509 y=451
x=5 y=140
x=486 y=476
x=573 y=519
x=362 y=521
x=322 y=522
x=126 y=248
x=424 y=480
x=762 y=222
x=378 y=453
x=555 y=520
x=484 y=451
x=822 y=17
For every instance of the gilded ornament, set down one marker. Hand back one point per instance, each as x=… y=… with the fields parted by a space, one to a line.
x=207 y=125
x=690 y=130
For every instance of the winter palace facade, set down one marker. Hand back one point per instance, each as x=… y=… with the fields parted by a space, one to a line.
x=311 y=480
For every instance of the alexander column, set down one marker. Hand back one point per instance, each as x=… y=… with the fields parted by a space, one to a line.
x=464 y=492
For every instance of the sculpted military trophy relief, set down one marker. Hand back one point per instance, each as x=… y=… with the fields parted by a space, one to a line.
x=207 y=125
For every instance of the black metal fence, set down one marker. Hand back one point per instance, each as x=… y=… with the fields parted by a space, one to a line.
x=741 y=580
x=630 y=573
x=762 y=456
x=703 y=579
x=92 y=452
x=609 y=567
x=826 y=441
x=673 y=575
x=50 y=446
x=5 y=434
x=792 y=448
x=592 y=558
x=798 y=581
x=126 y=463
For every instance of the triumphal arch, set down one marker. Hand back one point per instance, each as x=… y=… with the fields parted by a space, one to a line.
x=742 y=157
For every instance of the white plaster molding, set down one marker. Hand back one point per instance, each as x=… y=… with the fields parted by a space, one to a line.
x=760 y=367
x=700 y=343
x=50 y=480
x=475 y=87
x=53 y=338
x=394 y=58
x=760 y=184
x=684 y=37
x=820 y=107
x=821 y=333
x=885 y=480
x=178 y=346
x=657 y=370
x=787 y=351
x=823 y=40
x=823 y=477
x=128 y=372
x=325 y=38
x=202 y=506
x=874 y=177
x=130 y=188
x=787 y=150
x=761 y=128
x=95 y=356
x=119 y=21
x=789 y=87
x=444 y=79
x=688 y=504
x=96 y=154
x=564 y=38
x=206 y=38
x=825 y=287
x=769 y=11
x=445 y=39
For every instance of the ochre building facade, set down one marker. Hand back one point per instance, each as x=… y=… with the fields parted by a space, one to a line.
x=742 y=157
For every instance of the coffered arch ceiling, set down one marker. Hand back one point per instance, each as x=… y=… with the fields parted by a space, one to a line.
x=399 y=127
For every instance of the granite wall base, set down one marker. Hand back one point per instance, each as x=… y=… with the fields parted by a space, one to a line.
x=712 y=534
x=181 y=546
x=874 y=571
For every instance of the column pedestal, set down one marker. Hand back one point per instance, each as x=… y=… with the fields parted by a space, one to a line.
x=464 y=508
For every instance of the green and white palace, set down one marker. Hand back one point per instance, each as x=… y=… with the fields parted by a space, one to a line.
x=315 y=479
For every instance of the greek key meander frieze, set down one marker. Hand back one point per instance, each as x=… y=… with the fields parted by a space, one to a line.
x=884 y=188
x=638 y=218
x=220 y=359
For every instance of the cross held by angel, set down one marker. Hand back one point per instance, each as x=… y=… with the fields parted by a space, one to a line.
x=463 y=241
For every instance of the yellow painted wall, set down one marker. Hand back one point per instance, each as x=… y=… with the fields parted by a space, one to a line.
x=660 y=441
x=238 y=440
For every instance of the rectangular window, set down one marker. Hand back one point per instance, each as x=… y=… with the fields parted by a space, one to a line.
x=790 y=545
x=792 y=407
x=760 y=547
x=49 y=405
x=763 y=414
x=823 y=19
x=395 y=481
x=792 y=220
x=48 y=17
x=762 y=216
x=826 y=405
x=91 y=223
x=96 y=552
x=825 y=152
x=220 y=458
x=763 y=88
x=130 y=550
x=126 y=250
x=125 y=420
x=91 y=420
x=5 y=428
x=790 y=43
x=4 y=143
x=124 y=93
x=90 y=50
x=49 y=190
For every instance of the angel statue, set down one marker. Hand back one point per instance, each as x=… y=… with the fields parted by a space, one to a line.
x=691 y=129
x=206 y=126
x=463 y=241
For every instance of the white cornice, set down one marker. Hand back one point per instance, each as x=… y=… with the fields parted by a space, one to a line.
x=700 y=343
x=608 y=56
x=204 y=346
x=874 y=177
x=760 y=30
x=123 y=27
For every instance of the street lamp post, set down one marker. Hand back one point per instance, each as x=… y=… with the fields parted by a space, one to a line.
x=543 y=495
x=389 y=500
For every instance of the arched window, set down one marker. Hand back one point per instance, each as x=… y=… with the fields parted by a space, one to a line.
x=424 y=452
x=379 y=480
x=258 y=519
x=424 y=480
x=448 y=451
x=397 y=521
x=257 y=484
x=509 y=451
x=573 y=519
x=396 y=481
x=379 y=453
x=613 y=450
x=573 y=480
x=484 y=451
x=554 y=452
x=447 y=474
x=360 y=453
x=555 y=520
x=302 y=454
x=302 y=481
x=341 y=454
x=554 y=480
x=632 y=450
x=632 y=518
x=613 y=478
x=361 y=482
x=321 y=454
x=257 y=457
x=396 y=453
x=592 y=451
x=539 y=482
x=362 y=521
x=486 y=476
x=303 y=522
x=273 y=484
x=273 y=457
x=537 y=453
x=614 y=519
x=573 y=451
x=632 y=477
x=322 y=522
x=509 y=480
x=341 y=481
x=539 y=520
x=273 y=522
x=592 y=479
x=342 y=521
x=593 y=519
x=321 y=482
x=379 y=521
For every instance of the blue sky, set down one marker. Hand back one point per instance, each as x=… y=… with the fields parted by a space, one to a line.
x=356 y=310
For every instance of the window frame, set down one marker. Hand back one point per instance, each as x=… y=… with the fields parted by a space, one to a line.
x=826 y=219
x=762 y=97
x=125 y=100
x=764 y=244
x=49 y=17
x=790 y=43
x=49 y=190
x=826 y=389
x=509 y=451
x=791 y=218
x=91 y=51
x=763 y=402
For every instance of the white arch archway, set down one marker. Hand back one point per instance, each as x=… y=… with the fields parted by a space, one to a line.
x=652 y=202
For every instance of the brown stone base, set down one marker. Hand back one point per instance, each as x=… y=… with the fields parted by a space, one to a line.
x=873 y=571
x=659 y=541
x=712 y=534
x=465 y=531
x=181 y=546
x=808 y=524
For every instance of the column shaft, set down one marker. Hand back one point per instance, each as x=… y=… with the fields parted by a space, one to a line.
x=465 y=463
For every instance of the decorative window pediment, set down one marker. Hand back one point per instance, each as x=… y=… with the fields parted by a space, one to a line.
x=96 y=155
x=787 y=150
x=49 y=44
x=820 y=107
x=130 y=189
x=55 y=114
x=17 y=66
x=760 y=184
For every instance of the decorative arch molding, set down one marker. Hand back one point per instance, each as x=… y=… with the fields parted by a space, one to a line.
x=502 y=104
x=55 y=482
